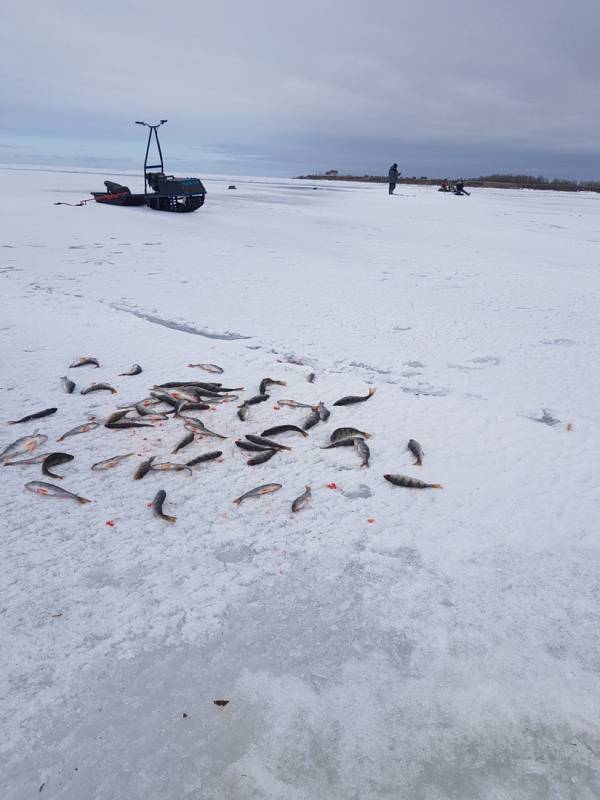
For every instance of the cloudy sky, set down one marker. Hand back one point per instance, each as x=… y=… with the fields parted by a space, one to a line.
x=275 y=87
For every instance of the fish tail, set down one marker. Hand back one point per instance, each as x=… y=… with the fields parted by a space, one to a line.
x=14 y=422
x=83 y=500
x=436 y=486
x=372 y=391
x=238 y=501
x=418 y=462
x=168 y=518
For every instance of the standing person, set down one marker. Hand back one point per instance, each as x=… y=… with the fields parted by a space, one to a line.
x=393 y=178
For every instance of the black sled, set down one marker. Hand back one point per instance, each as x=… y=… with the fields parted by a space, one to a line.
x=161 y=192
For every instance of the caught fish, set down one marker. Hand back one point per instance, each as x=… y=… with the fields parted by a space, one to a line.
x=267 y=488
x=187 y=439
x=411 y=483
x=157 y=507
x=268 y=443
x=143 y=468
x=34 y=460
x=261 y=458
x=417 y=451
x=283 y=429
x=185 y=405
x=293 y=404
x=312 y=420
x=109 y=463
x=133 y=370
x=87 y=426
x=156 y=417
x=168 y=466
x=348 y=442
x=53 y=460
x=222 y=398
x=149 y=411
x=347 y=401
x=324 y=412
x=163 y=397
x=242 y=412
x=121 y=426
x=81 y=362
x=205 y=457
x=50 y=490
x=98 y=387
x=251 y=447
x=363 y=451
x=147 y=402
x=209 y=368
x=346 y=433
x=116 y=415
x=302 y=500
x=26 y=444
x=38 y=415
x=200 y=429
x=67 y=384
x=200 y=384
x=258 y=398
x=269 y=382
x=310 y=377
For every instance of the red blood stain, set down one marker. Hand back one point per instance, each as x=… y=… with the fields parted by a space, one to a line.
x=276 y=408
x=149 y=505
x=370 y=520
x=110 y=523
x=331 y=485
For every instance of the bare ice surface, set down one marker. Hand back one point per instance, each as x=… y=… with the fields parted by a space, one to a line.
x=382 y=643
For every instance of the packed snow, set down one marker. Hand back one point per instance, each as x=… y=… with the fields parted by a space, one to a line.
x=381 y=643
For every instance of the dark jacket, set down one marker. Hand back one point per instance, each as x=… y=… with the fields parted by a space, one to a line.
x=393 y=174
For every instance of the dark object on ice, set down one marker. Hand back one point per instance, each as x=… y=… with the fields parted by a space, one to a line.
x=220 y=702
x=459 y=188
x=350 y=399
x=444 y=186
x=45 y=413
x=393 y=177
x=161 y=192
x=232 y=186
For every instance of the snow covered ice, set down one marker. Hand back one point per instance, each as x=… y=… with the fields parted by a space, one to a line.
x=382 y=643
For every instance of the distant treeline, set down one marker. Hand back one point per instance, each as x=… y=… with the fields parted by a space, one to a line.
x=538 y=181
x=494 y=181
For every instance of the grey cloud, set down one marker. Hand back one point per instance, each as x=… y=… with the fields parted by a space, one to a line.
x=446 y=84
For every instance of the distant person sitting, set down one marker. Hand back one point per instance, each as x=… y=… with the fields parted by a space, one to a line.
x=459 y=188
x=393 y=178
x=444 y=186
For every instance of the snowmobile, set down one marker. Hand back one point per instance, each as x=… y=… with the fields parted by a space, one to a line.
x=161 y=192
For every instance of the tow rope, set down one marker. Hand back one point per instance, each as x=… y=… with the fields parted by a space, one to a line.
x=74 y=205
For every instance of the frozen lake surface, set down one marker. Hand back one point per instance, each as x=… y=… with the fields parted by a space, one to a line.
x=383 y=643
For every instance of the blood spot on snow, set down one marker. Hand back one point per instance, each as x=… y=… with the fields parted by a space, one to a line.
x=276 y=408
x=110 y=523
x=370 y=520
x=331 y=485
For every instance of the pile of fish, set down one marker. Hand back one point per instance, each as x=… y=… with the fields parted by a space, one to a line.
x=170 y=401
